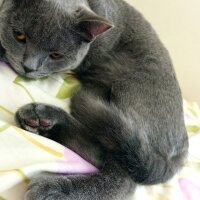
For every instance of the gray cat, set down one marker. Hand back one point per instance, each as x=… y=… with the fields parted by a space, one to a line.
x=127 y=118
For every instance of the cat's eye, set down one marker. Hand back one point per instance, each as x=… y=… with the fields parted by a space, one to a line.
x=56 y=56
x=20 y=37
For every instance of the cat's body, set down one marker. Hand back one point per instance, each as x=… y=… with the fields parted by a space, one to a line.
x=127 y=118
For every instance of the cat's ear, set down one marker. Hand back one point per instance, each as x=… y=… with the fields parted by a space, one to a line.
x=91 y=25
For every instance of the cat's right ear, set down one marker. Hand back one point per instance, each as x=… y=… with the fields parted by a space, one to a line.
x=91 y=25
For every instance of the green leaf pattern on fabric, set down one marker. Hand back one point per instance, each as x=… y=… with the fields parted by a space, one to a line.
x=69 y=87
x=6 y=110
x=4 y=127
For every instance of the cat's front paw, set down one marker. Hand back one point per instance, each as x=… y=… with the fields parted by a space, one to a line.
x=39 y=118
x=47 y=187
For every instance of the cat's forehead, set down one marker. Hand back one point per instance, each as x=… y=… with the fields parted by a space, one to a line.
x=59 y=6
x=41 y=13
x=51 y=34
x=67 y=5
x=54 y=10
x=46 y=26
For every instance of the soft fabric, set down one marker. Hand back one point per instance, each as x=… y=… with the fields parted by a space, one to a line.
x=23 y=154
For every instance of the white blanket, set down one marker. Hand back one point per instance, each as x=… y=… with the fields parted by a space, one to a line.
x=23 y=154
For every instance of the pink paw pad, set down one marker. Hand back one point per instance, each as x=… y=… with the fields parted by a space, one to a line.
x=34 y=123
x=45 y=122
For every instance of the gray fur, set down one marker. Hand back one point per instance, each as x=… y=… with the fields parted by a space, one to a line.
x=127 y=119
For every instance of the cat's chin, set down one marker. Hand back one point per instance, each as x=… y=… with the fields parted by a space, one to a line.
x=31 y=75
x=34 y=75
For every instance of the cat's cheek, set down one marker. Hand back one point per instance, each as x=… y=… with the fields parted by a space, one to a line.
x=15 y=64
x=18 y=70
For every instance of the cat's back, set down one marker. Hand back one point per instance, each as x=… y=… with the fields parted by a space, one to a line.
x=132 y=36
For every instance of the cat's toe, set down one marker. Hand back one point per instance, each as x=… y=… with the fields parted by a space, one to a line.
x=45 y=123
x=34 y=123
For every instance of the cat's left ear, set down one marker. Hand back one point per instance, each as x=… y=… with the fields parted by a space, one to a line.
x=91 y=25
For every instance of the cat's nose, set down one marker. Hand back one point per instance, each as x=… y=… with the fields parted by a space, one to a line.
x=30 y=64
x=28 y=69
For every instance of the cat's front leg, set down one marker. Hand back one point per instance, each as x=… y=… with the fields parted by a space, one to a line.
x=48 y=187
x=110 y=184
x=54 y=123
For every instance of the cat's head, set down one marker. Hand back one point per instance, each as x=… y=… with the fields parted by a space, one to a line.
x=42 y=37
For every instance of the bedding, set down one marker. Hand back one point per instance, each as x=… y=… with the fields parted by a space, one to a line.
x=23 y=154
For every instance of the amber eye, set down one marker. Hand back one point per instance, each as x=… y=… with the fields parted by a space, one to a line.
x=56 y=56
x=20 y=37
